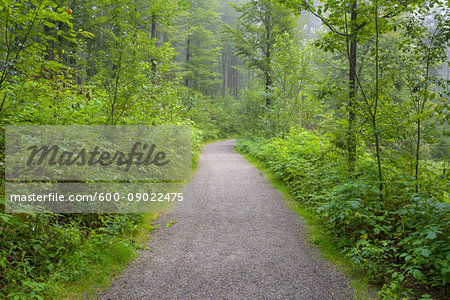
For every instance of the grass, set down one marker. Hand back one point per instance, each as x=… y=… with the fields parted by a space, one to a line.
x=317 y=235
x=113 y=259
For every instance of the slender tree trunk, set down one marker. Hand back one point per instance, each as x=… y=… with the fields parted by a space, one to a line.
x=116 y=92
x=235 y=79
x=420 y=109
x=267 y=88
x=225 y=56
x=153 y=36
x=188 y=44
x=188 y=57
x=225 y=72
x=374 y=118
x=352 y=88
x=416 y=175
x=268 y=62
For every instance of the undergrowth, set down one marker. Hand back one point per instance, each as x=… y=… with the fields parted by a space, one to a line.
x=327 y=244
x=48 y=256
x=402 y=243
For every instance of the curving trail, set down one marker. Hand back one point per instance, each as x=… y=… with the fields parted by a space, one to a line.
x=235 y=239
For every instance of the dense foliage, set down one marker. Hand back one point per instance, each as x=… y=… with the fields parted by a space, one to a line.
x=404 y=245
x=357 y=127
x=346 y=101
x=100 y=63
x=42 y=254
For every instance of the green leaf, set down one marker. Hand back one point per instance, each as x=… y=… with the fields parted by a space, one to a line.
x=431 y=235
x=426 y=252
x=48 y=24
x=417 y=274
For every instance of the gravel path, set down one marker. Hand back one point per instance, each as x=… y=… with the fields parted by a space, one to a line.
x=236 y=240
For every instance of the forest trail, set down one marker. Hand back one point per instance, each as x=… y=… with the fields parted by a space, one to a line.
x=238 y=240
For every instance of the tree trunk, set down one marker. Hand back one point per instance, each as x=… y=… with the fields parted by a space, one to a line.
x=188 y=44
x=268 y=61
x=225 y=72
x=352 y=88
x=374 y=119
x=153 y=36
x=225 y=57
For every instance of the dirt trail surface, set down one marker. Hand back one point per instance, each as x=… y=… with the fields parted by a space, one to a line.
x=236 y=240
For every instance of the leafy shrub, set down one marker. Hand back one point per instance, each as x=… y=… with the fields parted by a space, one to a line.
x=216 y=117
x=402 y=242
x=40 y=253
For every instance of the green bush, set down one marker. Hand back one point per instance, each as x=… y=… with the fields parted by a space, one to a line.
x=216 y=117
x=402 y=242
x=42 y=253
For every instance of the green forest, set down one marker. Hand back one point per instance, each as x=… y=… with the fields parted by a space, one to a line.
x=344 y=101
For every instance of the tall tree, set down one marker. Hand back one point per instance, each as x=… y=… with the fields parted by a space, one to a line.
x=202 y=49
x=255 y=33
x=344 y=33
x=347 y=21
x=426 y=38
